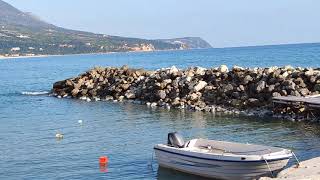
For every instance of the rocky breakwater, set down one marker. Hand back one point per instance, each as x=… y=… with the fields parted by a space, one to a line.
x=238 y=90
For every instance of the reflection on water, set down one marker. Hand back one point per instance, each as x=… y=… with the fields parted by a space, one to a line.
x=164 y=174
x=126 y=132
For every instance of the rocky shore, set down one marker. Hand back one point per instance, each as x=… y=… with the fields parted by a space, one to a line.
x=235 y=91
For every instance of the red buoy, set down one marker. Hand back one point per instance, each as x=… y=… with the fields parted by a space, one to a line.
x=103 y=160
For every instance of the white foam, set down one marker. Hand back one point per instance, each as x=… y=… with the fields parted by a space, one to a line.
x=35 y=93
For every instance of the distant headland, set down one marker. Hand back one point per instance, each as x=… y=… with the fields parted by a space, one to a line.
x=22 y=34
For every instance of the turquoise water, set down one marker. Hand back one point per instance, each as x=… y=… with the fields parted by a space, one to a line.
x=126 y=132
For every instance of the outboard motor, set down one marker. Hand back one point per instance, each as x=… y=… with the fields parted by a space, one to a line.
x=175 y=140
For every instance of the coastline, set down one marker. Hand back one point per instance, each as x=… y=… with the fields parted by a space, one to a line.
x=24 y=57
x=102 y=53
x=84 y=54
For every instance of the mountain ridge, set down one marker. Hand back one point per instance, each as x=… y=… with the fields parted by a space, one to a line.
x=23 y=34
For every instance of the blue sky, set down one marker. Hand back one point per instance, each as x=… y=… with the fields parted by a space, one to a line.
x=224 y=23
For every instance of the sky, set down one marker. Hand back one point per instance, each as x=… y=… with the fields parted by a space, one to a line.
x=223 y=23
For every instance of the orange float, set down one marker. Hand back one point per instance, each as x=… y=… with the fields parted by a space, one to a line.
x=103 y=160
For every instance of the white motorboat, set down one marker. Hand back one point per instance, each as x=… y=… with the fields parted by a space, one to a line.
x=220 y=159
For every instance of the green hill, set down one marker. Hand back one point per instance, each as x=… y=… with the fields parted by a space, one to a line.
x=24 y=34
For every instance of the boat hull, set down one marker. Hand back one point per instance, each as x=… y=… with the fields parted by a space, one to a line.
x=217 y=168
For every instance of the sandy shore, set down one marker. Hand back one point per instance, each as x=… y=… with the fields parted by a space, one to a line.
x=23 y=57
x=84 y=54
x=308 y=170
x=41 y=56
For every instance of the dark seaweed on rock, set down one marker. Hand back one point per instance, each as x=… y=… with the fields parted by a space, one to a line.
x=196 y=88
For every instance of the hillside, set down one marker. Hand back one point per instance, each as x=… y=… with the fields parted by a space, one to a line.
x=190 y=42
x=24 y=34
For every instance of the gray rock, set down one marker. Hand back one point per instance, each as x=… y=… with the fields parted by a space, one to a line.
x=200 y=71
x=271 y=88
x=109 y=98
x=130 y=95
x=317 y=87
x=309 y=73
x=153 y=105
x=253 y=102
x=241 y=88
x=247 y=79
x=313 y=79
x=161 y=94
x=236 y=95
x=228 y=88
x=260 y=86
x=289 y=85
x=304 y=91
x=284 y=92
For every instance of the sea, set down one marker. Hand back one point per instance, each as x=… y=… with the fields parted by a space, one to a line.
x=124 y=132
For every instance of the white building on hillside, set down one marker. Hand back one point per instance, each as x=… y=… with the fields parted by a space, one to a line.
x=15 y=49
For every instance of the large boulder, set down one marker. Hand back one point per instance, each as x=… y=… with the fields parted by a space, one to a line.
x=253 y=102
x=173 y=70
x=237 y=68
x=289 y=85
x=309 y=72
x=285 y=74
x=125 y=86
x=200 y=71
x=161 y=94
x=59 y=85
x=272 y=69
x=130 y=95
x=200 y=86
x=228 y=88
x=276 y=94
x=288 y=68
x=271 y=88
x=300 y=82
x=247 y=79
x=193 y=96
x=260 y=86
x=223 y=69
x=304 y=91
x=75 y=92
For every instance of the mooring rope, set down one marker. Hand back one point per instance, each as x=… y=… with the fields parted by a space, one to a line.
x=298 y=162
x=268 y=167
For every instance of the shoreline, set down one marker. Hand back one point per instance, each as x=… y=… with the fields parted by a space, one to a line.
x=22 y=57
x=242 y=91
x=102 y=53
x=84 y=54
x=228 y=47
